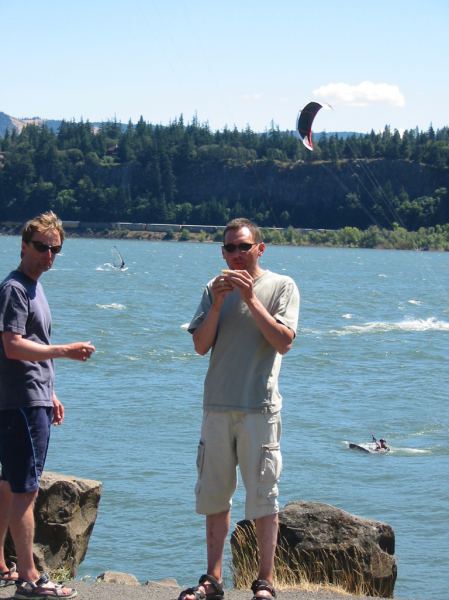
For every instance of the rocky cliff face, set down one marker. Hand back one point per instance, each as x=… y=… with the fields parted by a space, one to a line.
x=328 y=195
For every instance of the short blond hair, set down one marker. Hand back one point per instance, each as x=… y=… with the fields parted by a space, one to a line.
x=47 y=221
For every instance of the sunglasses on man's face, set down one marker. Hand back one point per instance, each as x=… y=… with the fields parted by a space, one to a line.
x=40 y=247
x=243 y=247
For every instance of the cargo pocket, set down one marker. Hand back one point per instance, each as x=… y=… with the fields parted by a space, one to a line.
x=199 y=464
x=270 y=470
x=200 y=458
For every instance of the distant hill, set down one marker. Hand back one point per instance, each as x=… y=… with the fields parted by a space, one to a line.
x=10 y=123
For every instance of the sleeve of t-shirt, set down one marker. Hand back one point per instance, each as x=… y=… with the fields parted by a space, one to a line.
x=201 y=311
x=13 y=310
x=287 y=308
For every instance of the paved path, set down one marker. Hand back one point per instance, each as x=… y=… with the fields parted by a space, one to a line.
x=158 y=591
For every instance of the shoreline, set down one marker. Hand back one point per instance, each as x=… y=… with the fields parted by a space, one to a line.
x=348 y=237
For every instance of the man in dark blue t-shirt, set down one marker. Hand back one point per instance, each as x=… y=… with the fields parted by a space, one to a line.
x=28 y=403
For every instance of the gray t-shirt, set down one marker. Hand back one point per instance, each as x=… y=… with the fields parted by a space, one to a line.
x=24 y=310
x=244 y=368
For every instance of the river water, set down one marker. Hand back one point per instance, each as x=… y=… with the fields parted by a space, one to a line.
x=371 y=356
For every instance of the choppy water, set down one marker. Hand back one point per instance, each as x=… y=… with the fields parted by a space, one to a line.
x=371 y=356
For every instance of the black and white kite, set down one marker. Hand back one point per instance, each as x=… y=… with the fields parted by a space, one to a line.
x=305 y=121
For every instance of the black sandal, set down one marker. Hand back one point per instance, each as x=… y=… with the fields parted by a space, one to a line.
x=262 y=585
x=217 y=594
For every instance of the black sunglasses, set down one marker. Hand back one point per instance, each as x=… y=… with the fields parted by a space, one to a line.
x=40 y=247
x=243 y=247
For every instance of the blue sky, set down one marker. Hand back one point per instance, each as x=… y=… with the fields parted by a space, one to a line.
x=234 y=62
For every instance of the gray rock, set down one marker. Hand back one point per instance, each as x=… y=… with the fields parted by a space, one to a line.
x=167 y=582
x=323 y=544
x=118 y=577
x=65 y=514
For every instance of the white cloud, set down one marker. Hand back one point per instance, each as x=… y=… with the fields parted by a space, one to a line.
x=361 y=94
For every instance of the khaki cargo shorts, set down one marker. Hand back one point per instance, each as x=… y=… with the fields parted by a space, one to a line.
x=249 y=440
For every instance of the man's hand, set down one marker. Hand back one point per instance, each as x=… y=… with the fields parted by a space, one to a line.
x=221 y=287
x=58 y=411
x=241 y=280
x=79 y=350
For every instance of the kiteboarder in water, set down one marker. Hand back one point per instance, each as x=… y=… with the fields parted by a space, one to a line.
x=380 y=444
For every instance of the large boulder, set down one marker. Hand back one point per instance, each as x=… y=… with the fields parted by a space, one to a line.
x=322 y=544
x=65 y=514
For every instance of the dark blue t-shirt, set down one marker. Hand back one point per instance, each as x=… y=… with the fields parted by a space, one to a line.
x=24 y=310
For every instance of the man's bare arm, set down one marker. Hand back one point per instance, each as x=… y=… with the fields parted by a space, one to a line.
x=276 y=334
x=204 y=336
x=18 y=348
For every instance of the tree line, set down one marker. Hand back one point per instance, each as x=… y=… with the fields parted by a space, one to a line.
x=187 y=173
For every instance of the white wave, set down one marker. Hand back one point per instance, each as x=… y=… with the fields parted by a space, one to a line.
x=419 y=325
x=110 y=267
x=410 y=451
x=113 y=306
x=347 y=316
x=394 y=449
x=106 y=267
x=415 y=302
x=185 y=326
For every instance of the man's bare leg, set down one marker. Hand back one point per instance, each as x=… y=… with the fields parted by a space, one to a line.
x=267 y=534
x=217 y=528
x=21 y=524
x=5 y=507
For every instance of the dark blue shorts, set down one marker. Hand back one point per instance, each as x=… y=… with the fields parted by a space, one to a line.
x=24 y=437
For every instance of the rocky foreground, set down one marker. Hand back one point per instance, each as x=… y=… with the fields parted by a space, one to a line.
x=326 y=543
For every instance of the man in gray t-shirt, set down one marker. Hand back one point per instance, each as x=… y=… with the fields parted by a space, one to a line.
x=247 y=317
x=28 y=402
